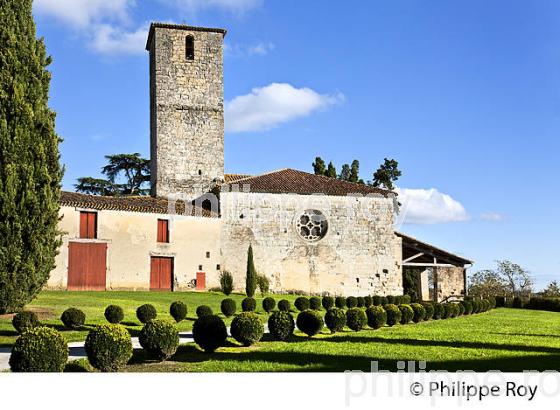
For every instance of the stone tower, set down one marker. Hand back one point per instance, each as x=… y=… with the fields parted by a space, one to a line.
x=186 y=109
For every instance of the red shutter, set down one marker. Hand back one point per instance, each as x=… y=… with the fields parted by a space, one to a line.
x=163 y=230
x=88 y=225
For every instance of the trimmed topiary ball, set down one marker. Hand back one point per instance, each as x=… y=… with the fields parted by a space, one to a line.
x=160 y=339
x=281 y=325
x=461 y=309
x=228 y=307
x=340 y=302
x=146 y=312
x=407 y=314
x=108 y=347
x=361 y=302
x=384 y=301
x=351 y=302
x=356 y=319
x=390 y=300
x=406 y=299
x=429 y=308
x=376 y=317
x=73 y=318
x=314 y=303
x=310 y=322
x=368 y=301
x=24 y=321
x=376 y=300
x=335 y=319
x=419 y=312
x=39 y=349
x=247 y=328
x=209 y=332
x=327 y=302
x=393 y=314
x=114 y=314
x=204 y=310
x=248 y=305
x=178 y=311
x=447 y=311
x=301 y=303
x=398 y=300
x=284 y=305
x=439 y=311
x=268 y=304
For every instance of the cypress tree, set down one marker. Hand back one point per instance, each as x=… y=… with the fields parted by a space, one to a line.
x=251 y=279
x=30 y=172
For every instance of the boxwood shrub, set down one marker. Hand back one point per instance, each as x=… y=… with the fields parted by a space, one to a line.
x=209 y=332
x=281 y=325
x=500 y=301
x=356 y=319
x=248 y=305
x=114 y=314
x=361 y=302
x=467 y=307
x=384 y=301
x=310 y=322
x=314 y=303
x=429 y=308
x=301 y=303
x=351 y=302
x=376 y=317
x=376 y=300
x=73 y=318
x=390 y=300
x=335 y=319
x=407 y=314
x=419 y=312
x=108 y=347
x=228 y=307
x=406 y=299
x=439 y=311
x=461 y=309
x=160 y=339
x=393 y=314
x=39 y=349
x=368 y=301
x=284 y=305
x=327 y=302
x=24 y=321
x=340 y=302
x=268 y=304
x=447 y=310
x=146 y=312
x=178 y=311
x=247 y=328
x=204 y=310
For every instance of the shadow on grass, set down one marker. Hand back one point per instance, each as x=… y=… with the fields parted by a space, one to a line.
x=526 y=334
x=8 y=333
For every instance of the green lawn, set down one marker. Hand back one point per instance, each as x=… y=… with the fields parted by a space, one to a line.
x=503 y=339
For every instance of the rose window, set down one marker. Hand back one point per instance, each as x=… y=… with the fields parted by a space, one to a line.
x=312 y=225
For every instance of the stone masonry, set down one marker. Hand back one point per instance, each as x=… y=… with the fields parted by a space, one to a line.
x=187 y=110
x=360 y=255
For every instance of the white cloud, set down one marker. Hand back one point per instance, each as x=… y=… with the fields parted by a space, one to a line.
x=492 y=216
x=429 y=206
x=82 y=13
x=236 y=6
x=242 y=50
x=107 y=39
x=267 y=107
x=260 y=49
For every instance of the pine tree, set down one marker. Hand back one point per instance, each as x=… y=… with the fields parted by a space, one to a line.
x=387 y=174
x=345 y=173
x=251 y=279
x=354 y=171
x=331 y=170
x=319 y=166
x=30 y=173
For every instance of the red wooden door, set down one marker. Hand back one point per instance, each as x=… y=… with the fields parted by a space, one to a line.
x=161 y=273
x=87 y=266
x=200 y=280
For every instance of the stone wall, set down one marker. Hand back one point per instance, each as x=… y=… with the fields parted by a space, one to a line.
x=187 y=112
x=450 y=281
x=360 y=254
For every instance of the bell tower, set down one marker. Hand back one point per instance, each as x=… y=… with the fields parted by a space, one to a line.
x=186 y=109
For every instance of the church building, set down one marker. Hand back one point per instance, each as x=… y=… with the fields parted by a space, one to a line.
x=310 y=234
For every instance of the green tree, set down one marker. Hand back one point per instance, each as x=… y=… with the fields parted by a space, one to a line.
x=30 y=172
x=127 y=174
x=387 y=174
x=319 y=166
x=331 y=170
x=345 y=173
x=509 y=279
x=251 y=279
x=354 y=171
x=487 y=283
x=552 y=290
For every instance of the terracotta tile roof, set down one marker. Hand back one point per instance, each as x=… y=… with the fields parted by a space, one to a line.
x=146 y=204
x=291 y=181
x=231 y=178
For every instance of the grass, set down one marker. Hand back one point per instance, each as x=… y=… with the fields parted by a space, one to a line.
x=502 y=339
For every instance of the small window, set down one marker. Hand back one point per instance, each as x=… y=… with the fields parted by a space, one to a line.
x=207 y=254
x=163 y=230
x=218 y=267
x=88 y=225
x=199 y=267
x=199 y=172
x=357 y=280
x=189 y=48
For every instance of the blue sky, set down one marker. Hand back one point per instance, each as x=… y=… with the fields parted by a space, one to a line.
x=464 y=94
